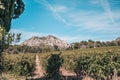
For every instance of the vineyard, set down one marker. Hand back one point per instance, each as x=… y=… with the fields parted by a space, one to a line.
x=97 y=63
x=19 y=64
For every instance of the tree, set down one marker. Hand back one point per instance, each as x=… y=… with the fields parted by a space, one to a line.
x=53 y=66
x=83 y=44
x=90 y=44
x=98 y=44
x=77 y=45
x=9 y=9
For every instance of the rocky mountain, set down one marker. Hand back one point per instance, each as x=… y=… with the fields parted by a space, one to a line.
x=48 y=40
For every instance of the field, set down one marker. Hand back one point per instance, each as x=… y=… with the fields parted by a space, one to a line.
x=19 y=65
x=98 y=63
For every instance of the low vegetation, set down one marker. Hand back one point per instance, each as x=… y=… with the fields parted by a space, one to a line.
x=19 y=64
x=98 y=63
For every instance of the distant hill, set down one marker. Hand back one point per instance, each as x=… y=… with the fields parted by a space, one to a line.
x=51 y=43
x=49 y=40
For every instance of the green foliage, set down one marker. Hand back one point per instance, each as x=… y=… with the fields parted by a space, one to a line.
x=94 y=44
x=29 y=49
x=53 y=66
x=19 y=64
x=96 y=62
x=10 y=9
x=8 y=39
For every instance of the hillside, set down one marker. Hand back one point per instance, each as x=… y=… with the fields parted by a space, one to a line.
x=48 y=40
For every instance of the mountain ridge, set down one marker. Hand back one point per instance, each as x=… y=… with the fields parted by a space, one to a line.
x=49 y=40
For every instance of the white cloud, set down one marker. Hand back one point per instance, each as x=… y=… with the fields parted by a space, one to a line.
x=107 y=8
x=55 y=10
x=26 y=34
x=83 y=19
x=78 y=38
x=75 y=38
x=95 y=21
x=60 y=8
x=98 y=22
x=89 y=20
x=68 y=38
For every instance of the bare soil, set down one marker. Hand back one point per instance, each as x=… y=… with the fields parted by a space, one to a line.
x=40 y=72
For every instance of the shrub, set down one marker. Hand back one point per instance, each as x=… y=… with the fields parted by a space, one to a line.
x=98 y=63
x=53 y=66
x=19 y=64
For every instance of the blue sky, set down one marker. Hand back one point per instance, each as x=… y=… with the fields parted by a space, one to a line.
x=70 y=20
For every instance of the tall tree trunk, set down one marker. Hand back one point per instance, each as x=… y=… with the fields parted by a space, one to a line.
x=1 y=57
x=0 y=65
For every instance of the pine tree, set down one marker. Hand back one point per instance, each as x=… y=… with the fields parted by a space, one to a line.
x=9 y=9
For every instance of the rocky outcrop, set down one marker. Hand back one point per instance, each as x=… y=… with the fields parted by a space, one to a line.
x=48 y=40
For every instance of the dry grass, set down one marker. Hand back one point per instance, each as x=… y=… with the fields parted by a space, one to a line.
x=88 y=78
x=7 y=76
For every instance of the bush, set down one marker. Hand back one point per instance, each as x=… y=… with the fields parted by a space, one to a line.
x=98 y=66
x=98 y=63
x=53 y=66
x=19 y=64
